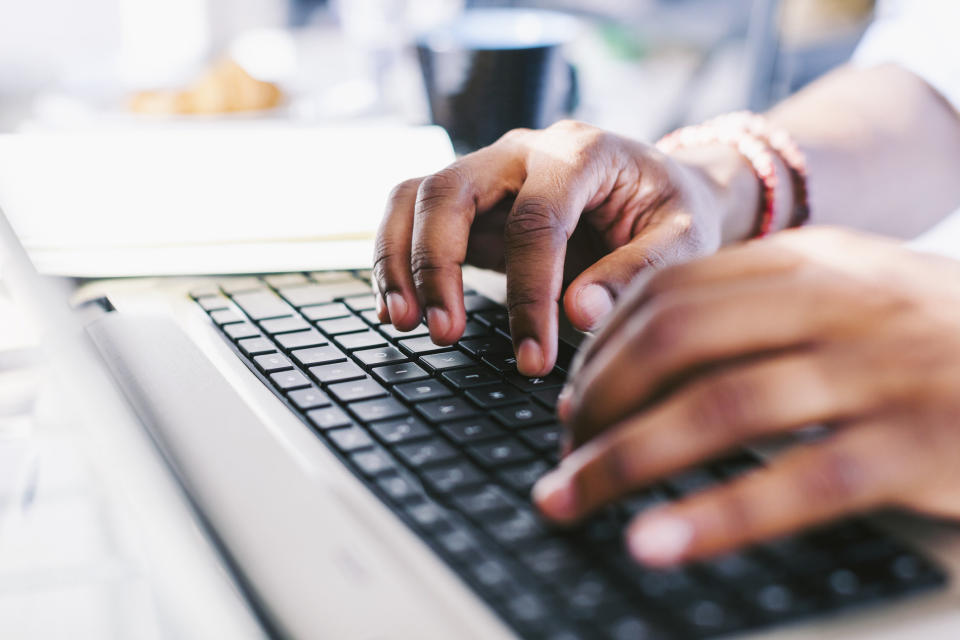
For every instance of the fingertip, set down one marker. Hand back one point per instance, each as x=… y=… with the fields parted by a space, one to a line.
x=588 y=306
x=555 y=496
x=382 y=313
x=660 y=539
x=530 y=358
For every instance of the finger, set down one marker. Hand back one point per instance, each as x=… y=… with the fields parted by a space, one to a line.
x=590 y=298
x=862 y=467
x=701 y=421
x=447 y=203
x=689 y=332
x=396 y=297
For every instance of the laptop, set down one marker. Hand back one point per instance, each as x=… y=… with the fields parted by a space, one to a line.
x=351 y=481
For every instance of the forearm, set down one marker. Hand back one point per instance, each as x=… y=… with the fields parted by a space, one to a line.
x=882 y=148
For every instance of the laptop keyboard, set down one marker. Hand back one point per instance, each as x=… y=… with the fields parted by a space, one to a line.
x=451 y=439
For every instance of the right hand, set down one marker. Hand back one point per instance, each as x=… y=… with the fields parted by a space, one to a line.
x=571 y=205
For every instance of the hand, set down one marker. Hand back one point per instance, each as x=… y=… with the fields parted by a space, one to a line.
x=815 y=326
x=569 y=203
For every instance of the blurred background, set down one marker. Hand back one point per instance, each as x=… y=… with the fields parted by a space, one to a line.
x=642 y=66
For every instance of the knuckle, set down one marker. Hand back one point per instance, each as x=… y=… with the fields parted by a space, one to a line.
x=515 y=135
x=401 y=192
x=832 y=478
x=736 y=514
x=533 y=220
x=725 y=402
x=667 y=326
x=446 y=184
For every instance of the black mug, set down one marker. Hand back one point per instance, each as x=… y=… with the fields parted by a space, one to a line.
x=492 y=70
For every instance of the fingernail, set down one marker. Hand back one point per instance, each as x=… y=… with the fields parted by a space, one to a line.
x=530 y=357
x=564 y=404
x=397 y=306
x=595 y=304
x=438 y=321
x=554 y=495
x=660 y=540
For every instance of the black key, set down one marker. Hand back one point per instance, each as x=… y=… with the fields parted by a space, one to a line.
x=382 y=355
x=473 y=330
x=398 y=373
x=362 y=340
x=447 y=360
x=565 y=354
x=336 y=372
x=398 y=488
x=361 y=303
x=213 y=302
x=261 y=305
x=379 y=409
x=634 y=627
x=489 y=499
x=290 y=380
x=500 y=453
x=395 y=334
x=522 y=477
x=552 y=558
x=645 y=499
x=329 y=418
x=270 y=362
x=474 y=430
x=226 y=316
x=350 y=324
x=517 y=527
x=372 y=462
x=690 y=481
x=446 y=409
x=356 y=390
x=495 y=395
x=284 y=325
x=309 y=398
x=528 y=610
x=503 y=361
x=420 y=346
x=548 y=397
x=325 y=311
x=424 y=452
x=301 y=339
x=349 y=438
x=474 y=302
x=460 y=544
x=491 y=574
x=495 y=319
x=448 y=479
x=402 y=430
x=545 y=438
x=518 y=416
x=479 y=346
x=466 y=378
x=428 y=516
x=241 y=330
x=318 y=355
x=549 y=381
x=588 y=595
x=710 y=615
x=256 y=346
x=423 y=390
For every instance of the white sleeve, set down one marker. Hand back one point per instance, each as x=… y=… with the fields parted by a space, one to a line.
x=919 y=35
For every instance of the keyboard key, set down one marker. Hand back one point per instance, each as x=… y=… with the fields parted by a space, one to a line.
x=529 y=610
x=213 y=302
x=238 y=285
x=518 y=527
x=371 y=317
x=379 y=409
x=309 y=294
x=271 y=362
x=361 y=303
x=473 y=330
x=241 y=330
x=318 y=355
x=474 y=430
x=402 y=430
x=423 y=390
x=205 y=291
x=552 y=558
x=492 y=574
x=362 y=340
x=285 y=279
x=420 y=346
x=301 y=339
x=356 y=390
x=447 y=360
x=518 y=416
x=502 y=452
x=497 y=318
x=398 y=488
x=226 y=316
x=522 y=477
x=467 y=378
x=382 y=355
x=503 y=361
x=256 y=346
x=548 y=397
x=395 y=334
x=452 y=478
x=549 y=381
x=284 y=325
x=398 y=373
x=446 y=410
x=690 y=481
x=460 y=544
x=475 y=302
x=324 y=277
x=495 y=395
x=261 y=305
x=336 y=372
x=325 y=311
x=289 y=380
x=337 y=326
x=424 y=452
x=349 y=438
x=483 y=501
x=372 y=462
x=329 y=418
x=479 y=346
x=545 y=438
x=428 y=516
x=309 y=398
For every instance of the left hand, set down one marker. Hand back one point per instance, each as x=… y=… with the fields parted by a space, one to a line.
x=810 y=326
